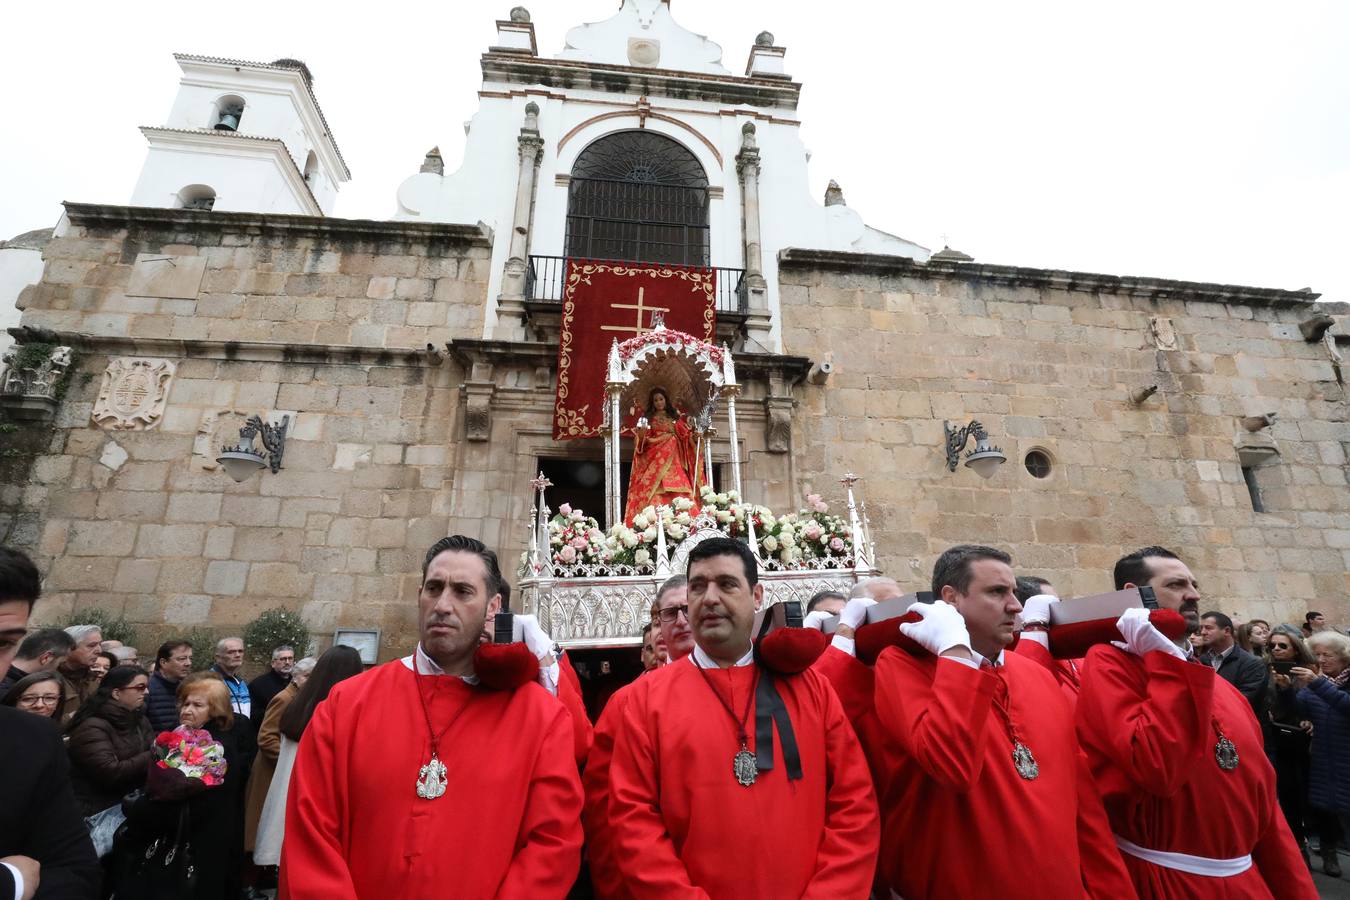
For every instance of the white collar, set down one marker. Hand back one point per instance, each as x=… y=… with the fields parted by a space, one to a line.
x=425 y=664
x=981 y=660
x=699 y=658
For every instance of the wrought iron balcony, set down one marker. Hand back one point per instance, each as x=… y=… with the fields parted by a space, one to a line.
x=545 y=276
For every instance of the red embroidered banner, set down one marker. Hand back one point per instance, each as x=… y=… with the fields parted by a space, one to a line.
x=608 y=301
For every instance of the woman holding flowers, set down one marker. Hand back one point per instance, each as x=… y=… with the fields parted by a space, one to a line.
x=109 y=740
x=665 y=458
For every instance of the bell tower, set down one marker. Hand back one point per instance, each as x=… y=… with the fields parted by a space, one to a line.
x=243 y=137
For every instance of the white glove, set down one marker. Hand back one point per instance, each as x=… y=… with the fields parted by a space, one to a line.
x=1036 y=611
x=541 y=645
x=815 y=619
x=1141 y=636
x=854 y=612
x=940 y=629
x=535 y=638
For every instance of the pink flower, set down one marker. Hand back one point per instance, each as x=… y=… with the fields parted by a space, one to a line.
x=568 y=555
x=820 y=506
x=812 y=499
x=812 y=531
x=565 y=509
x=837 y=544
x=579 y=542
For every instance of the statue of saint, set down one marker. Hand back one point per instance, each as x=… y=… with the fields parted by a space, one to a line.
x=666 y=461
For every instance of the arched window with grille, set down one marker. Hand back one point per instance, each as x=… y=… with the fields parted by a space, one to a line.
x=638 y=196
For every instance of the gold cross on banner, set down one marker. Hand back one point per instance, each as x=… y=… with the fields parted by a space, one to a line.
x=640 y=329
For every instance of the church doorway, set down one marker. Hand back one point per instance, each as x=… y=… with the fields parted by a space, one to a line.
x=602 y=671
x=638 y=196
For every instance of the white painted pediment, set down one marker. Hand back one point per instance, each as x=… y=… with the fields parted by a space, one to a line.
x=643 y=33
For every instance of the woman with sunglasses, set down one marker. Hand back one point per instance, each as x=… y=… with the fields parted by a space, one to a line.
x=39 y=693
x=109 y=740
x=1285 y=651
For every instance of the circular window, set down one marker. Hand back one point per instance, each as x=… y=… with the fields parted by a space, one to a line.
x=1037 y=463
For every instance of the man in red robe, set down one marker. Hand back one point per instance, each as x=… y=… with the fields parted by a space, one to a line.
x=980 y=747
x=671 y=612
x=1177 y=755
x=372 y=810
x=729 y=780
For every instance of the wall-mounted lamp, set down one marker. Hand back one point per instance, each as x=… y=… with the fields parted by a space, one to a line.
x=984 y=459
x=243 y=459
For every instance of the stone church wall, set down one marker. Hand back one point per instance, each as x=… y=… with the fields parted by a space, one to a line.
x=1047 y=360
x=321 y=320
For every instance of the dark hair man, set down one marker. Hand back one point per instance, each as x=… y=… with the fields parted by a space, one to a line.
x=831 y=602
x=1235 y=665
x=696 y=777
x=1029 y=586
x=41 y=651
x=978 y=739
x=401 y=763
x=43 y=841
x=173 y=663
x=1314 y=622
x=1164 y=737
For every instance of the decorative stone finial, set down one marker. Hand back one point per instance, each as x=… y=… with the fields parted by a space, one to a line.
x=834 y=195
x=531 y=117
x=764 y=39
x=433 y=162
x=748 y=136
x=947 y=254
x=520 y=14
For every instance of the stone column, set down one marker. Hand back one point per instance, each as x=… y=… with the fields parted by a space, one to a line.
x=511 y=301
x=760 y=321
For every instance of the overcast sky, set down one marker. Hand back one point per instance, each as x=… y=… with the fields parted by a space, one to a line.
x=1205 y=141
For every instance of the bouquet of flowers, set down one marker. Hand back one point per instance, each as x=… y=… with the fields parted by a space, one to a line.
x=187 y=761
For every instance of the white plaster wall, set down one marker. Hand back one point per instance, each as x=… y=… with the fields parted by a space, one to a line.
x=242 y=183
x=18 y=269
x=275 y=106
x=483 y=187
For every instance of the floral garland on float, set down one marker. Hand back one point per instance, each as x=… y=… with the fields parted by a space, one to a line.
x=810 y=538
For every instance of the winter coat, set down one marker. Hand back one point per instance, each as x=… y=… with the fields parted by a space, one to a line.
x=1327 y=706
x=264 y=764
x=161 y=703
x=109 y=754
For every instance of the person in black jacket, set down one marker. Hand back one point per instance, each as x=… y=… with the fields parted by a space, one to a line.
x=45 y=851
x=1235 y=665
x=272 y=682
x=173 y=663
x=109 y=741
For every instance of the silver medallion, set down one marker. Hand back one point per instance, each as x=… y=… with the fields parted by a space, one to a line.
x=743 y=765
x=1025 y=762
x=431 y=779
x=1226 y=754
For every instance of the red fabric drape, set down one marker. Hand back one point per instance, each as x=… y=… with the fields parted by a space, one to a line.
x=605 y=301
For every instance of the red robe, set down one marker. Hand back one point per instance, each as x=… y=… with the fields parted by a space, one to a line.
x=507 y=826
x=682 y=827
x=853 y=681
x=1064 y=671
x=569 y=692
x=958 y=820
x=595 y=779
x=1147 y=728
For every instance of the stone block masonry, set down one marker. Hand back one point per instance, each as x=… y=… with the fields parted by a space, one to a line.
x=1047 y=361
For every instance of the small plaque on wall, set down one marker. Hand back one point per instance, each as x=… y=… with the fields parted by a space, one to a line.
x=363 y=641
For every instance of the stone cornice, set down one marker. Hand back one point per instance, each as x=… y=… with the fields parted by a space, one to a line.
x=235 y=351
x=639 y=81
x=100 y=215
x=539 y=353
x=1055 y=279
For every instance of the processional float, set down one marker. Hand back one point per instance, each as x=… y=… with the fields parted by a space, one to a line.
x=593 y=586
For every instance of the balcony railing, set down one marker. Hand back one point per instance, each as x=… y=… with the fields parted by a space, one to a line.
x=546 y=274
